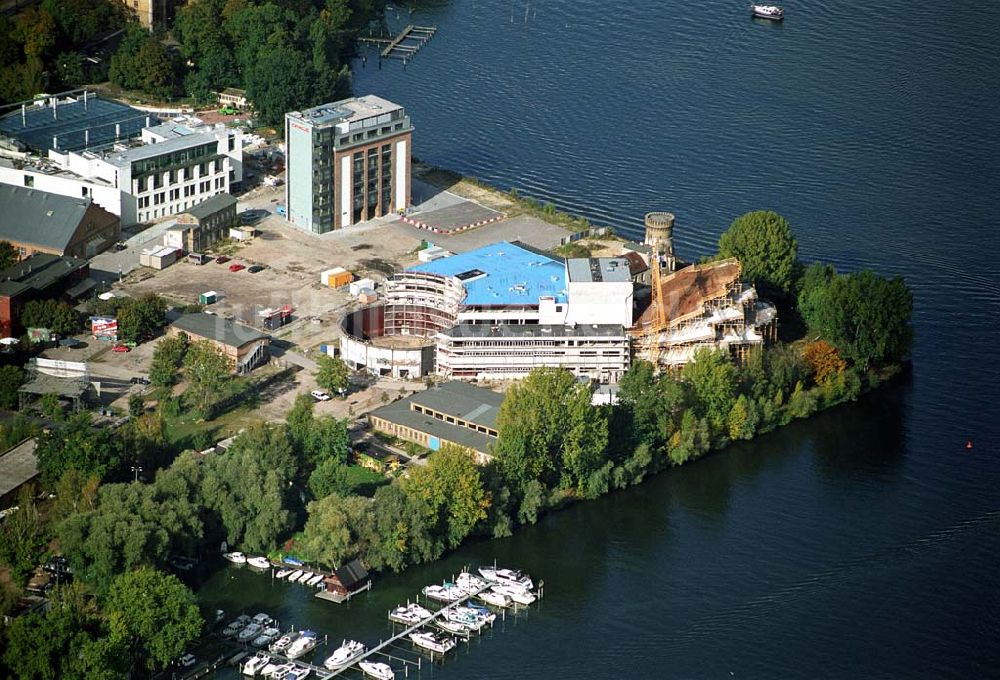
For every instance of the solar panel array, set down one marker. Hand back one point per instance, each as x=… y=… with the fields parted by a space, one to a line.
x=71 y=123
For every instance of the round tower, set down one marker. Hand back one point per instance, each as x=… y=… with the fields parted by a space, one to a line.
x=660 y=237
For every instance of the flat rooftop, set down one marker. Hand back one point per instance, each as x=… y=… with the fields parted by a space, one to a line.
x=513 y=330
x=461 y=400
x=598 y=270
x=71 y=121
x=502 y=274
x=124 y=158
x=345 y=110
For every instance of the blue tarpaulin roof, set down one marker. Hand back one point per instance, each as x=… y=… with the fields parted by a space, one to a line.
x=503 y=274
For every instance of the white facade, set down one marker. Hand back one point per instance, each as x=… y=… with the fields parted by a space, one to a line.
x=174 y=170
x=600 y=291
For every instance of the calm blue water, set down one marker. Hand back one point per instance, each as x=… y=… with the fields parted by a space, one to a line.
x=863 y=543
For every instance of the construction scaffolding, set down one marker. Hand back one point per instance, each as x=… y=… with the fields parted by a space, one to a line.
x=700 y=306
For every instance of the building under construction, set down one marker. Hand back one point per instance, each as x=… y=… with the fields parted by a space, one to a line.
x=698 y=306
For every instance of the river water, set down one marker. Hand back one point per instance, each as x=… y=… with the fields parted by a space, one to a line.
x=864 y=542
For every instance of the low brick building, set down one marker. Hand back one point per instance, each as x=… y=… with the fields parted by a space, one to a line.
x=202 y=225
x=36 y=221
x=246 y=347
x=39 y=277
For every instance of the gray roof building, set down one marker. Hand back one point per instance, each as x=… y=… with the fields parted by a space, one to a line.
x=211 y=206
x=18 y=466
x=213 y=327
x=39 y=221
x=39 y=273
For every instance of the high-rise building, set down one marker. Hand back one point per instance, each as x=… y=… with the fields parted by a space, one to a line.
x=346 y=162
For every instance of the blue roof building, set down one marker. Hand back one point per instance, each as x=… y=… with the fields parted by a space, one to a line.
x=502 y=274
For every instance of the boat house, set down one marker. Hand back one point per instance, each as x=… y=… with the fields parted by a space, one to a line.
x=348 y=580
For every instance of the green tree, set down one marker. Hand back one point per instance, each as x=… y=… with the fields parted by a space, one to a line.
x=763 y=243
x=136 y=405
x=55 y=316
x=330 y=476
x=74 y=493
x=691 y=441
x=140 y=318
x=154 y=615
x=207 y=371
x=743 y=419
x=653 y=402
x=299 y=422
x=8 y=253
x=399 y=532
x=250 y=487
x=69 y=66
x=51 y=407
x=37 y=31
x=22 y=536
x=337 y=529
x=714 y=382
x=79 y=445
x=11 y=379
x=167 y=359
x=803 y=403
x=328 y=438
x=452 y=491
x=549 y=431
x=812 y=286
x=280 y=80
x=332 y=374
x=867 y=318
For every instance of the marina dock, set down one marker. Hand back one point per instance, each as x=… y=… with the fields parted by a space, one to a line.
x=405 y=45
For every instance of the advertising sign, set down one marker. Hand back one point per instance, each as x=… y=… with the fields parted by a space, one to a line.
x=104 y=328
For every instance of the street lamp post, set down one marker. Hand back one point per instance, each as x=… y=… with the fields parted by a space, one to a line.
x=136 y=469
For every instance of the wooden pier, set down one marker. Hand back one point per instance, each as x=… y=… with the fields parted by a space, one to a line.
x=405 y=45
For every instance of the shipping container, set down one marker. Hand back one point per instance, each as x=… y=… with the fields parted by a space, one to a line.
x=336 y=277
x=208 y=298
x=361 y=284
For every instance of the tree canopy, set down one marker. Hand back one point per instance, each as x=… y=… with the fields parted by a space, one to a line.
x=764 y=244
x=332 y=374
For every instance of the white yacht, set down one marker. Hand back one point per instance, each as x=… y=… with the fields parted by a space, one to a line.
x=295 y=576
x=282 y=671
x=377 y=670
x=495 y=599
x=470 y=618
x=453 y=627
x=507 y=577
x=284 y=642
x=282 y=573
x=518 y=595
x=469 y=583
x=433 y=642
x=235 y=557
x=772 y=12
x=314 y=581
x=298 y=674
x=250 y=632
x=449 y=592
x=305 y=642
x=256 y=664
x=409 y=614
x=306 y=575
x=259 y=562
x=344 y=655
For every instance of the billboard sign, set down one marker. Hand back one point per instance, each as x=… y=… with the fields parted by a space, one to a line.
x=104 y=327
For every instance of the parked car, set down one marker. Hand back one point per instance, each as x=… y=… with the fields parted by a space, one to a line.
x=121 y=348
x=120 y=246
x=320 y=395
x=221 y=259
x=236 y=267
x=187 y=661
x=281 y=210
x=253 y=269
x=252 y=217
x=138 y=380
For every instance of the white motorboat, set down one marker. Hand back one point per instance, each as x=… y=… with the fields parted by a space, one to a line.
x=254 y=665
x=235 y=557
x=263 y=620
x=298 y=674
x=267 y=636
x=377 y=670
x=449 y=592
x=282 y=671
x=507 y=577
x=518 y=595
x=305 y=642
x=472 y=619
x=283 y=643
x=295 y=576
x=314 y=581
x=469 y=583
x=494 y=598
x=772 y=12
x=433 y=642
x=250 y=632
x=409 y=614
x=268 y=670
x=282 y=573
x=344 y=655
x=306 y=575
x=453 y=627
x=259 y=562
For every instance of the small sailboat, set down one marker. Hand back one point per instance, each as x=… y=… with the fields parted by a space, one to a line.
x=282 y=573
x=305 y=576
x=469 y=583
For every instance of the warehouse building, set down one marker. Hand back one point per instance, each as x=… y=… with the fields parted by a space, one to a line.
x=246 y=348
x=36 y=221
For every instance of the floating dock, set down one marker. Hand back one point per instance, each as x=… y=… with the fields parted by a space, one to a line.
x=405 y=45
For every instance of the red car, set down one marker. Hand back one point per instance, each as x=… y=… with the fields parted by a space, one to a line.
x=121 y=348
x=236 y=267
x=221 y=259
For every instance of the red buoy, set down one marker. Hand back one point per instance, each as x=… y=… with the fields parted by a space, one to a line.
x=968 y=444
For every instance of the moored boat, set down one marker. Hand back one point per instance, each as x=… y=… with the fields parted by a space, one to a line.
x=306 y=575
x=453 y=627
x=238 y=624
x=250 y=632
x=507 y=577
x=235 y=557
x=282 y=573
x=494 y=598
x=377 y=670
x=298 y=674
x=449 y=592
x=295 y=576
x=255 y=664
x=284 y=642
x=433 y=642
x=344 y=655
x=469 y=583
x=409 y=614
x=306 y=641
x=314 y=581
x=266 y=637
x=259 y=562
x=518 y=595
x=772 y=12
x=281 y=671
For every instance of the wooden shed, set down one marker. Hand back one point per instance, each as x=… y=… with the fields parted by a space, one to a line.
x=348 y=579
